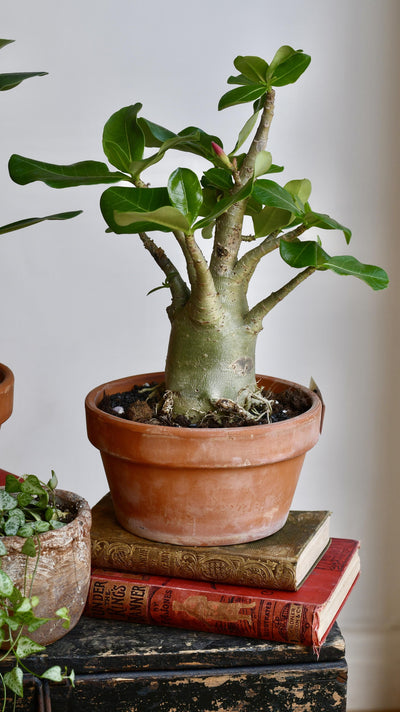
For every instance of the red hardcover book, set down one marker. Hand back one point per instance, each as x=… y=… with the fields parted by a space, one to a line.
x=302 y=617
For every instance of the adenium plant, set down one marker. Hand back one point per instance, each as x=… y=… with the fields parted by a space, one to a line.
x=211 y=353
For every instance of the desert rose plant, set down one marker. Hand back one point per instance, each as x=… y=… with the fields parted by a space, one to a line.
x=210 y=363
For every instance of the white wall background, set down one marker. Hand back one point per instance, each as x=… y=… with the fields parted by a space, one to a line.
x=73 y=307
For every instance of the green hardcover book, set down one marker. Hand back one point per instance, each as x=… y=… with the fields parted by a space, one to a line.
x=280 y=561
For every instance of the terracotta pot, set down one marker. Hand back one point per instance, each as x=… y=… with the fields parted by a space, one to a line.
x=63 y=572
x=6 y=392
x=204 y=486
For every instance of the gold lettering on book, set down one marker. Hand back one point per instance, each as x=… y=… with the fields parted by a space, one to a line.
x=294 y=621
x=203 y=609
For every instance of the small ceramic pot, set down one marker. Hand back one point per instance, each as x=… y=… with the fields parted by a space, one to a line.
x=6 y=392
x=62 y=576
x=205 y=486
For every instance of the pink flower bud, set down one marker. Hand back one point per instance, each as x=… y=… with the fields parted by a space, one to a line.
x=218 y=150
x=222 y=155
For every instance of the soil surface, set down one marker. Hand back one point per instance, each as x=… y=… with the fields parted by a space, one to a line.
x=142 y=404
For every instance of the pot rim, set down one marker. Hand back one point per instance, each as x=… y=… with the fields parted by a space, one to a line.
x=94 y=396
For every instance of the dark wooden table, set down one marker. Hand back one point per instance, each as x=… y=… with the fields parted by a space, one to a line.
x=122 y=667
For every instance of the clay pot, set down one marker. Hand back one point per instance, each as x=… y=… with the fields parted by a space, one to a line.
x=205 y=486
x=63 y=572
x=6 y=392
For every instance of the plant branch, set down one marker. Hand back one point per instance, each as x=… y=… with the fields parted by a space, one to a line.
x=205 y=304
x=179 y=290
x=246 y=266
x=228 y=231
x=181 y=239
x=259 y=311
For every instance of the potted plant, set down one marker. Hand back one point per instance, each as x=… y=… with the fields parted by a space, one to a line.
x=44 y=571
x=197 y=483
x=8 y=81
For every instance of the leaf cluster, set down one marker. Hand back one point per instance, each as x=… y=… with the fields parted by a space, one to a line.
x=28 y=507
x=187 y=203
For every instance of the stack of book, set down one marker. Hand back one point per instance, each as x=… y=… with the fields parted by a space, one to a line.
x=288 y=587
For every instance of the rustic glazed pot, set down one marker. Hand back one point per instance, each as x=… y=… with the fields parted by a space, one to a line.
x=6 y=392
x=63 y=573
x=204 y=486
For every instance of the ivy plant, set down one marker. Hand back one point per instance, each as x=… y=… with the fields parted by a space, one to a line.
x=211 y=353
x=28 y=507
x=8 y=81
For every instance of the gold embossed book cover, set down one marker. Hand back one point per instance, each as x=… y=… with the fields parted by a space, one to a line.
x=280 y=561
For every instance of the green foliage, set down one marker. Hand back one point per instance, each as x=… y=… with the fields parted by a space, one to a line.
x=9 y=81
x=27 y=508
x=187 y=203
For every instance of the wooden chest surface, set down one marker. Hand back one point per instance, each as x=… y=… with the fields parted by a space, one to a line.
x=122 y=667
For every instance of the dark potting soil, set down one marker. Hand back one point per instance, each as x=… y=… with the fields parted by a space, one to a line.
x=142 y=404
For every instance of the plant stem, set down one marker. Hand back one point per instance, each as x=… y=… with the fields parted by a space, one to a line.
x=256 y=315
x=179 y=290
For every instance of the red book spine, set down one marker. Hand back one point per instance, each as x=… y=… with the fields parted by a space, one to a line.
x=156 y=600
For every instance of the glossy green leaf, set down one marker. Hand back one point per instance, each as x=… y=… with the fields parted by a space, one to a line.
x=222 y=205
x=26 y=170
x=263 y=163
x=24 y=606
x=178 y=142
x=288 y=71
x=26 y=647
x=13 y=484
x=241 y=95
x=281 y=55
x=167 y=216
x=14 y=681
x=32 y=485
x=14 y=522
x=12 y=79
x=246 y=131
x=254 y=68
x=312 y=219
x=310 y=254
x=154 y=134
x=218 y=178
x=123 y=200
x=269 y=220
x=185 y=193
x=29 y=548
x=240 y=79
x=27 y=222
x=267 y=192
x=123 y=139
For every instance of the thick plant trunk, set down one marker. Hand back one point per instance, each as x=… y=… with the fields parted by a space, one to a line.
x=209 y=362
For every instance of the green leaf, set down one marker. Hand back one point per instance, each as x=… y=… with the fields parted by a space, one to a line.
x=246 y=131
x=222 y=205
x=27 y=222
x=26 y=170
x=7 y=502
x=4 y=43
x=310 y=254
x=25 y=606
x=241 y=95
x=54 y=674
x=63 y=614
x=263 y=163
x=218 y=178
x=254 y=68
x=289 y=70
x=267 y=192
x=3 y=550
x=312 y=219
x=29 y=548
x=269 y=220
x=281 y=55
x=154 y=134
x=13 y=484
x=123 y=139
x=185 y=193
x=299 y=189
x=240 y=79
x=26 y=647
x=6 y=585
x=123 y=200
x=14 y=522
x=14 y=681
x=32 y=485
x=11 y=80
x=41 y=527
x=167 y=216
x=26 y=530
